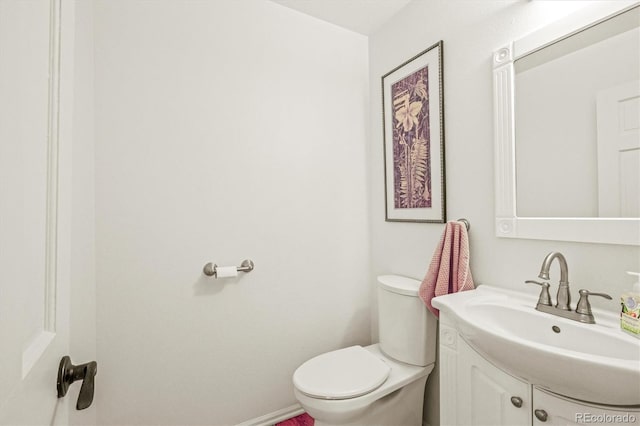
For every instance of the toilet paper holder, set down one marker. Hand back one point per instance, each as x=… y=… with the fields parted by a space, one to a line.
x=210 y=268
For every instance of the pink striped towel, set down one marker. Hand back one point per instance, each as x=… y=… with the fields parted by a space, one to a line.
x=449 y=269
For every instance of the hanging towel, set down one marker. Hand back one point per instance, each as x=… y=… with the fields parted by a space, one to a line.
x=449 y=269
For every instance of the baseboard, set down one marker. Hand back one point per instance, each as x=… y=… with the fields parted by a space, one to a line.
x=275 y=417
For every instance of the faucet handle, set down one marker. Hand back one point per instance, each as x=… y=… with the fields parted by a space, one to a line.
x=544 y=298
x=584 y=307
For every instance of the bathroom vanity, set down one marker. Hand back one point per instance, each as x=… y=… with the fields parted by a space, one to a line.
x=482 y=393
x=503 y=363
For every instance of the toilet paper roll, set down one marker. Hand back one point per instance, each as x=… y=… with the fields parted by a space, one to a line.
x=226 y=271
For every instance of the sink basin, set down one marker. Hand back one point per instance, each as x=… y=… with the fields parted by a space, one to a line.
x=591 y=362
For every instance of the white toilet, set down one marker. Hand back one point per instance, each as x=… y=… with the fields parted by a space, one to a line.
x=381 y=384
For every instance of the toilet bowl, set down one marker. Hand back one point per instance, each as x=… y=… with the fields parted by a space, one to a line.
x=397 y=400
x=380 y=384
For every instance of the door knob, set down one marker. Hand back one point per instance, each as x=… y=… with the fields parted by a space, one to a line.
x=69 y=373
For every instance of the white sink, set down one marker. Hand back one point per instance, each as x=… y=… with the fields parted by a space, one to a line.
x=591 y=362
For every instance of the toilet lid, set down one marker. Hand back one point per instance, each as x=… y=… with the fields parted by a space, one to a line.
x=345 y=373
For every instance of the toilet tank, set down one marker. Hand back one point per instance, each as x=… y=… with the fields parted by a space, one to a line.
x=407 y=329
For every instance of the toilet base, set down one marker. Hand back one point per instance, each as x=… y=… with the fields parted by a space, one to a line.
x=400 y=408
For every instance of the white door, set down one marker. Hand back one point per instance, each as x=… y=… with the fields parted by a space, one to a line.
x=618 y=121
x=35 y=111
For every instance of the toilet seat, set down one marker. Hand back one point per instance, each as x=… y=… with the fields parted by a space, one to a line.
x=341 y=374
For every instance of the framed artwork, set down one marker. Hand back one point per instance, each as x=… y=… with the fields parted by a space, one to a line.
x=413 y=126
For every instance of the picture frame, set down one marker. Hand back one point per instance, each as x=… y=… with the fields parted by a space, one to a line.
x=413 y=128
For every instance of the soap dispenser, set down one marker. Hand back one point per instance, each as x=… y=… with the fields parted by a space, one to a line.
x=630 y=301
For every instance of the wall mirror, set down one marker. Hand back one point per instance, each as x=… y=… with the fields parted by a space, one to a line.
x=567 y=129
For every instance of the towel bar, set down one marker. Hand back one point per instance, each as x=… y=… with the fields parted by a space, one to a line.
x=466 y=223
x=210 y=268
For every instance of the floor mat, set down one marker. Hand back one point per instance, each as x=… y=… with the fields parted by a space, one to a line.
x=302 y=420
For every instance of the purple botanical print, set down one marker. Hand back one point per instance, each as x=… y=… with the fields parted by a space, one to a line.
x=411 y=141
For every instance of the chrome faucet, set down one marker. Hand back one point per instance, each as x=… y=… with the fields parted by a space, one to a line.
x=563 y=299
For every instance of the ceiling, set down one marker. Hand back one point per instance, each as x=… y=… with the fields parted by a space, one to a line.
x=362 y=16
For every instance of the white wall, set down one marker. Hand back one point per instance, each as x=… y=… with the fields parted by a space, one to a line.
x=471 y=31
x=225 y=130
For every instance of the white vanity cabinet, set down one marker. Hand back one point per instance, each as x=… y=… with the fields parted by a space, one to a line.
x=551 y=409
x=473 y=391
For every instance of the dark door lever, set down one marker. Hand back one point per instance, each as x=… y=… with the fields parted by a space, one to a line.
x=69 y=373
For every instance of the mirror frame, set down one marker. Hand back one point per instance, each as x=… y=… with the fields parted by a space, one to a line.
x=507 y=224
